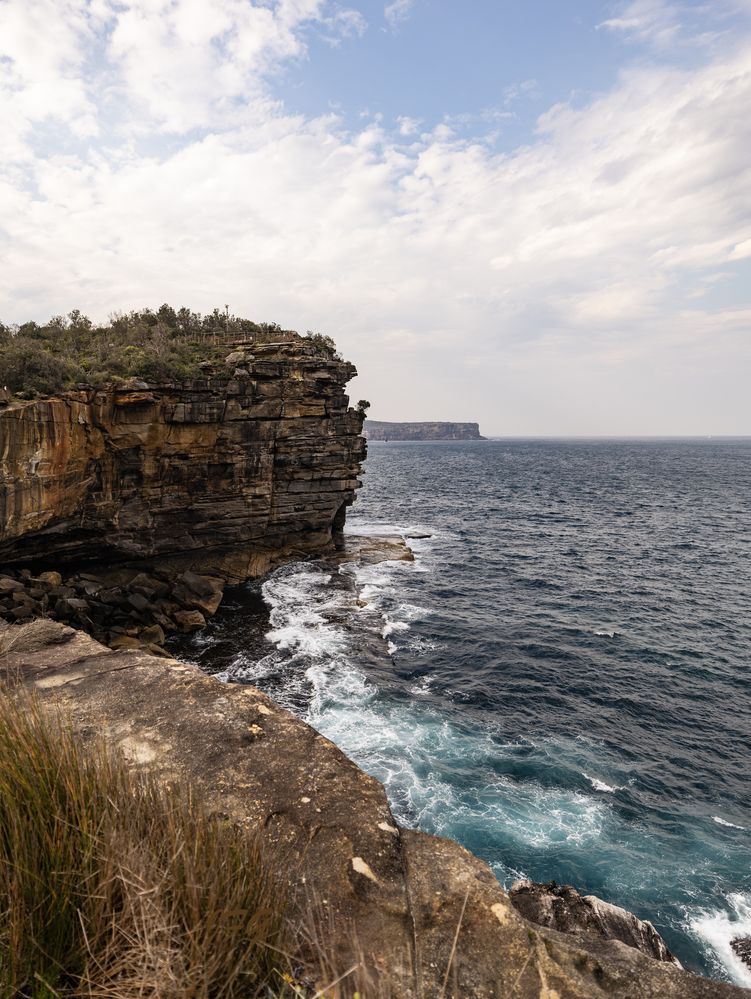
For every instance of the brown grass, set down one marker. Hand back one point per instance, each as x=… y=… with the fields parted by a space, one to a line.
x=116 y=887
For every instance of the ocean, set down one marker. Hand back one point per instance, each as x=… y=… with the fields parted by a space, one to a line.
x=561 y=680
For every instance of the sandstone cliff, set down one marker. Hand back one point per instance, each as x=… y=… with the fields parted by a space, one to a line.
x=378 y=430
x=258 y=458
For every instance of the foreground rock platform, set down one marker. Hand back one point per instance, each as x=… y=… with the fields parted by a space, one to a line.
x=424 y=916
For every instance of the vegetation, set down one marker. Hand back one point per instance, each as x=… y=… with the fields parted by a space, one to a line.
x=163 y=345
x=113 y=886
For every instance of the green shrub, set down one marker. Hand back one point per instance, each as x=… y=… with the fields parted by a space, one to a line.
x=162 y=346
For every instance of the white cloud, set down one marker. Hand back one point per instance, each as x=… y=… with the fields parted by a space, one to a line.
x=397 y=12
x=654 y=21
x=540 y=290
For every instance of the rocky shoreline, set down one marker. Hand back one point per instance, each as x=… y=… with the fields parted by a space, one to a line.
x=418 y=916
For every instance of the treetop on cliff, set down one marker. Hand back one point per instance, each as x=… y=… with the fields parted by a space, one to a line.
x=159 y=345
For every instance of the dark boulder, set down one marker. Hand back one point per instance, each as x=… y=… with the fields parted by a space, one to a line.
x=562 y=908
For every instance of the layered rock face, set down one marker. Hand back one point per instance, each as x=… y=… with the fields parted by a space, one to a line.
x=377 y=430
x=260 y=457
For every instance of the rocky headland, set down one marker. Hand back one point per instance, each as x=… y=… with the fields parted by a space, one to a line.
x=126 y=509
x=378 y=430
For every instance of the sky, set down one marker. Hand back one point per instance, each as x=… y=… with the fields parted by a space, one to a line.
x=534 y=214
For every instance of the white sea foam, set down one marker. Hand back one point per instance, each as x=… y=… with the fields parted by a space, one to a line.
x=715 y=929
x=428 y=765
x=391 y=627
x=724 y=822
x=600 y=785
x=298 y=601
x=605 y=632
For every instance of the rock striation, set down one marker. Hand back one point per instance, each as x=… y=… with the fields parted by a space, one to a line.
x=415 y=916
x=377 y=430
x=257 y=459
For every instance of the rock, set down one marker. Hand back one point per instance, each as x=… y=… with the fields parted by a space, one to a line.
x=80 y=606
x=8 y=585
x=138 y=602
x=21 y=612
x=742 y=947
x=124 y=642
x=415 y=910
x=191 y=472
x=202 y=593
x=189 y=620
x=236 y=357
x=153 y=635
x=52 y=578
x=562 y=908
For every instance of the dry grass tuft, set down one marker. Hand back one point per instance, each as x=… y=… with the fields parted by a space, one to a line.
x=112 y=886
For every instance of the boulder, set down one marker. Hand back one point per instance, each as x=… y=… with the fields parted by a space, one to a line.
x=202 y=593
x=153 y=635
x=742 y=948
x=561 y=907
x=139 y=602
x=51 y=578
x=124 y=642
x=189 y=620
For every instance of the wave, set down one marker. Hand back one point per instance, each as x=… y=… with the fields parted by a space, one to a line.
x=716 y=929
x=724 y=822
x=600 y=785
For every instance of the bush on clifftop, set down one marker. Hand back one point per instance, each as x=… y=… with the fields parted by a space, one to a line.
x=163 y=345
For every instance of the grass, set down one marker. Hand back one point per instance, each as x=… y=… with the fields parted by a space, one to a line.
x=112 y=885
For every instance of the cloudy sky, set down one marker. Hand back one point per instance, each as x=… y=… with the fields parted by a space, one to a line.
x=531 y=213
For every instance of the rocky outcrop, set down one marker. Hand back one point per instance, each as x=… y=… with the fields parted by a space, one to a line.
x=742 y=948
x=416 y=916
x=377 y=430
x=258 y=458
x=562 y=908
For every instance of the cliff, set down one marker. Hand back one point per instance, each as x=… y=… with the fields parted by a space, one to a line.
x=256 y=459
x=417 y=916
x=377 y=430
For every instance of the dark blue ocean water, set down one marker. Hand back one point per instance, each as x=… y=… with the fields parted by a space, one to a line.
x=568 y=685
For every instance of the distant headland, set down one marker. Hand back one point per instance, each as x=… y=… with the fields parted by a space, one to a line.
x=378 y=430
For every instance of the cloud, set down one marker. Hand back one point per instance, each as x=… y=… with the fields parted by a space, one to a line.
x=665 y=24
x=544 y=289
x=397 y=12
x=654 y=21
